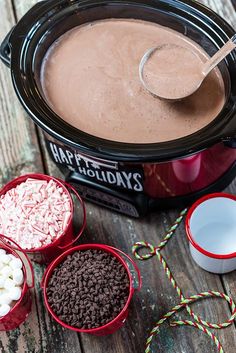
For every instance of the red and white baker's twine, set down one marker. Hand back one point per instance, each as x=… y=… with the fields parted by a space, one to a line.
x=184 y=302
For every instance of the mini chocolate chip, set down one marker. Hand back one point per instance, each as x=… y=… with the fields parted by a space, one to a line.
x=88 y=289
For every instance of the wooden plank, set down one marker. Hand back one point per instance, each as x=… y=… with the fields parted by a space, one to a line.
x=226 y=10
x=228 y=280
x=21 y=7
x=18 y=140
x=233 y=3
x=223 y=8
x=157 y=295
x=20 y=154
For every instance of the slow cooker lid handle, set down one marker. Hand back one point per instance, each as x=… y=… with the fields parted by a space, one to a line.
x=5 y=49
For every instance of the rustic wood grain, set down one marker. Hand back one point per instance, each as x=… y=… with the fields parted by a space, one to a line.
x=157 y=295
x=229 y=280
x=40 y=333
x=18 y=141
x=226 y=10
x=20 y=8
x=20 y=154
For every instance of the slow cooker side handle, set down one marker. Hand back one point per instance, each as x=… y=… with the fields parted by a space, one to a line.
x=228 y=135
x=5 y=49
x=230 y=143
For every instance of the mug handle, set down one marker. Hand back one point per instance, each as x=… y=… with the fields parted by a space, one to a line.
x=24 y=258
x=138 y=280
x=70 y=187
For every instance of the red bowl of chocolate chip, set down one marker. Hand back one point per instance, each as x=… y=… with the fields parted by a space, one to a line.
x=89 y=288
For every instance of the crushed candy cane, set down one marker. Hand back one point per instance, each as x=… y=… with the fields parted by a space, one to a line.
x=11 y=281
x=34 y=213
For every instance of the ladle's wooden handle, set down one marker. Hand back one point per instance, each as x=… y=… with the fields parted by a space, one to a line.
x=219 y=56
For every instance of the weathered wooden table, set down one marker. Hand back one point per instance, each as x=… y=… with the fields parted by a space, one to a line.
x=22 y=151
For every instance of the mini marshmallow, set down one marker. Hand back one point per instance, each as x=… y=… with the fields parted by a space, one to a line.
x=5 y=299
x=2 y=281
x=17 y=276
x=9 y=284
x=10 y=278
x=15 y=263
x=6 y=271
x=3 y=291
x=14 y=293
x=2 y=252
x=4 y=258
x=4 y=309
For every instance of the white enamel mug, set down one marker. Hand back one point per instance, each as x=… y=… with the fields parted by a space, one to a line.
x=211 y=230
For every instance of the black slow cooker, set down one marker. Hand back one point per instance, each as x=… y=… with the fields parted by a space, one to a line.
x=129 y=178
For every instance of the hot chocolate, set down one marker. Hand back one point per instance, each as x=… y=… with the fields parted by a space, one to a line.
x=90 y=78
x=172 y=72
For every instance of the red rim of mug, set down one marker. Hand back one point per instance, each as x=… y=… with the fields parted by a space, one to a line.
x=188 y=227
x=23 y=178
x=59 y=259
